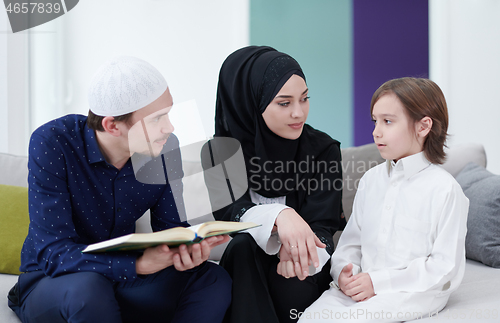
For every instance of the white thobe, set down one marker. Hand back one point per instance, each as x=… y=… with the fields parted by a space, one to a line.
x=407 y=231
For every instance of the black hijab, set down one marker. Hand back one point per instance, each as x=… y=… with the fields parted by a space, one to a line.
x=249 y=80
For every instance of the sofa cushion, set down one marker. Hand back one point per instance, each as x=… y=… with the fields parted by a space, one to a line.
x=355 y=162
x=460 y=155
x=13 y=226
x=483 y=224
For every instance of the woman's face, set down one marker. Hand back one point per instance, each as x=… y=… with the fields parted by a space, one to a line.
x=287 y=112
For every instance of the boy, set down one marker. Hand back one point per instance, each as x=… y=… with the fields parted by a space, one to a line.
x=402 y=252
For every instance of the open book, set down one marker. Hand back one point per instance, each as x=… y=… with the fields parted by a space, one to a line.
x=172 y=237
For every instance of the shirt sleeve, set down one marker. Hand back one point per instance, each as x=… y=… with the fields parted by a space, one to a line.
x=324 y=257
x=57 y=246
x=265 y=215
x=443 y=268
x=349 y=246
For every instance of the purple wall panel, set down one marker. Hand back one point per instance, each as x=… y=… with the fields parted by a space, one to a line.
x=390 y=40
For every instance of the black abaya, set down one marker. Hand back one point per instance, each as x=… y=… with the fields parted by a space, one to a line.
x=249 y=80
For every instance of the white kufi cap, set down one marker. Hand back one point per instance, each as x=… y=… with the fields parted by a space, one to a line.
x=123 y=85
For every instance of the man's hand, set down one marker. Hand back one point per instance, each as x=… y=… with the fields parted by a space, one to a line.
x=359 y=287
x=183 y=258
x=298 y=240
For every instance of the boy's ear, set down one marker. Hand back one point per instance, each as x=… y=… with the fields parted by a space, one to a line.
x=110 y=126
x=424 y=126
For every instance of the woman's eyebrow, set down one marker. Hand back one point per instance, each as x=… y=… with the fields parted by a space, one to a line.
x=289 y=96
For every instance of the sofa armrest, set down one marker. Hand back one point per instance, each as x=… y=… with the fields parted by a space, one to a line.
x=15 y=170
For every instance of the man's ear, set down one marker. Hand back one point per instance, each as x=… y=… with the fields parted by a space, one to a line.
x=424 y=126
x=110 y=126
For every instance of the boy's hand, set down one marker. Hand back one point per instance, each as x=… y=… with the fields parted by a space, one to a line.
x=360 y=288
x=345 y=277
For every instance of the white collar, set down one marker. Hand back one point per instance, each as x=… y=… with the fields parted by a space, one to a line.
x=410 y=165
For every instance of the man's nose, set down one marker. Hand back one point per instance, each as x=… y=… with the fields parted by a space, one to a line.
x=167 y=127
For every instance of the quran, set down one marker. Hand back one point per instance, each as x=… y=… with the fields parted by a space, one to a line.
x=172 y=237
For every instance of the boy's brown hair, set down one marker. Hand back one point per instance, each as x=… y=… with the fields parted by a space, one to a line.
x=95 y=122
x=421 y=97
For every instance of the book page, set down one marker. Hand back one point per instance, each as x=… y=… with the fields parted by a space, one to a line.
x=170 y=237
x=213 y=228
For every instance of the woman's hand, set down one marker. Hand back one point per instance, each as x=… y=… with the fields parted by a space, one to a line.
x=298 y=241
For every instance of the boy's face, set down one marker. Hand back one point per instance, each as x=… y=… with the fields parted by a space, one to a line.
x=394 y=133
x=151 y=127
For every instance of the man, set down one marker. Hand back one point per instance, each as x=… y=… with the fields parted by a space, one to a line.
x=83 y=189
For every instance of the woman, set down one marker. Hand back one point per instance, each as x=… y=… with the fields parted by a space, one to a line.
x=295 y=188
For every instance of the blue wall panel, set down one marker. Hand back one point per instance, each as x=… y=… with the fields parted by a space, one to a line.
x=347 y=49
x=390 y=41
x=318 y=34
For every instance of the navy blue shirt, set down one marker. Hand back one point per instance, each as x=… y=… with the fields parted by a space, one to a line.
x=76 y=198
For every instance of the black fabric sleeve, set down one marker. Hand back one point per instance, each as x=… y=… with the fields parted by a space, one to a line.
x=234 y=211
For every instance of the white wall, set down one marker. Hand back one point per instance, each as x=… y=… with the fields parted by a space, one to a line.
x=4 y=146
x=186 y=40
x=465 y=62
x=46 y=73
x=48 y=67
x=14 y=129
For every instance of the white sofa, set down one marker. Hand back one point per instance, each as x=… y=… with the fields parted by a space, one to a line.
x=476 y=300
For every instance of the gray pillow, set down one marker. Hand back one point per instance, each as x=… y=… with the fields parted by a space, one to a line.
x=483 y=224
